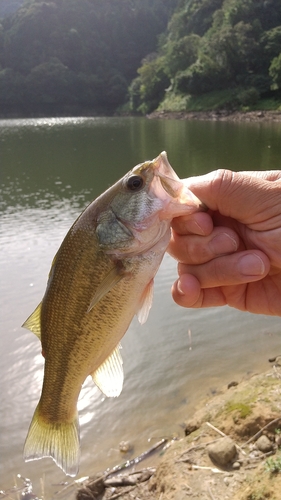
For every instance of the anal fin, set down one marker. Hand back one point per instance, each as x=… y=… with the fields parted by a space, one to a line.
x=109 y=376
x=33 y=322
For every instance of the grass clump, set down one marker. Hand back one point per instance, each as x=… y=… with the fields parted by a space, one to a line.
x=229 y=100
x=273 y=465
x=243 y=409
x=259 y=495
x=174 y=103
x=220 y=99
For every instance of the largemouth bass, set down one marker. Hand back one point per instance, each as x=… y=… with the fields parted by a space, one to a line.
x=101 y=276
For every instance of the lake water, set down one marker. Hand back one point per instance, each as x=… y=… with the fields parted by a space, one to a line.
x=50 y=169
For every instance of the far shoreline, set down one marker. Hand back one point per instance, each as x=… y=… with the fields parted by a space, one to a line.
x=211 y=115
x=219 y=115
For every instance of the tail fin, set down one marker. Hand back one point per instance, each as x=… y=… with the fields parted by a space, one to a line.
x=60 y=441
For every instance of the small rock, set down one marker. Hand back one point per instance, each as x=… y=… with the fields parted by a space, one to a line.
x=232 y=384
x=190 y=427
x=236 y=465
x=223 y=451
x=264 y=444
x=125 y=446
x=278 y=440
x=254 y=454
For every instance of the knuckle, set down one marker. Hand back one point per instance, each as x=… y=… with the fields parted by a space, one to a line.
x=222 y=180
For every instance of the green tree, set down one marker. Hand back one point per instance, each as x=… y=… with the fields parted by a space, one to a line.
x=148 y=89
x=180 y=54
x=205 y=75
x=12 y=90
x=271 y=42
x=213 y=45
x=49 y=82
x=275 y=71
x=63 y=46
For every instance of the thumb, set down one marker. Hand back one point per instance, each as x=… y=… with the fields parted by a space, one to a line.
x=244 y=196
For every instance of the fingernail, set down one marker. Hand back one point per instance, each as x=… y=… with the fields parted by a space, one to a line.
x=223 y=243
x=196 y=228
x=179 y=289
x=251 y=265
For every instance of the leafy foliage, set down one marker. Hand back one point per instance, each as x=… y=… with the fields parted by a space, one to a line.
x=149 y=87
x=273 y=465
x=217 y=45
x=275 y=70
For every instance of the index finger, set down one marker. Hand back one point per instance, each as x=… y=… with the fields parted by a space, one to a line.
x=247 y=198
x=199 y=223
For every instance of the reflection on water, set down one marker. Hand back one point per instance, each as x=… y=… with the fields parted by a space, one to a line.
x=50 y=170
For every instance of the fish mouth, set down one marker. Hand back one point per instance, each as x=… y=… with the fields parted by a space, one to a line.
x=173 y=185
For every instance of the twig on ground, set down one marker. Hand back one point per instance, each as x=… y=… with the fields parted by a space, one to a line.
x=73 y=483
x=251 y=466
x=130 y=479
x=210 y=493
x=117 y=495
x=99 y=485
x=258 y=434
x=216 y=429
x=194 y=448
x=136 y=460
x=200 y=435
x=213 y=469
x=264 y=455
x=276 y=371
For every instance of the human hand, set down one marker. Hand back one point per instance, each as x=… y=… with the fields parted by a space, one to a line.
x=232 y=253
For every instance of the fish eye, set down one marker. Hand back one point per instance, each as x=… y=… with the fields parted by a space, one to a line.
x=135 y=183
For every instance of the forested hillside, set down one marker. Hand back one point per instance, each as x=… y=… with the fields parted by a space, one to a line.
x=74 y=56
x=215 y=54
x=9 y=6
x=100 y=56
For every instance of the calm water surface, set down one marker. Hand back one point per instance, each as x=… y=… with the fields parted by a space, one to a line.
x=50 y=169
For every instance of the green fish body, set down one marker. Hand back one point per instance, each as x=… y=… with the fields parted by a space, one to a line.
x=101 y=276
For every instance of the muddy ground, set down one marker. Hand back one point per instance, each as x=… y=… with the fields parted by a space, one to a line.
x=244 y=413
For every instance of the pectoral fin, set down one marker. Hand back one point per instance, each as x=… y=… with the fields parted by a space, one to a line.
x=145 y=303
x=33 y=322
x=109 y=376
x=112 y=278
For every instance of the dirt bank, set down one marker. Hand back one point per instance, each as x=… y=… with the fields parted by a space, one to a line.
x=250 y=116
x=246 y=466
